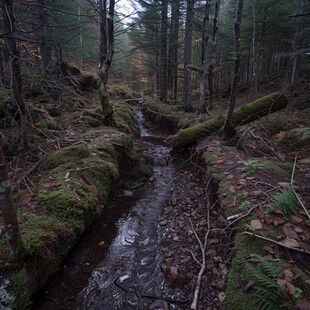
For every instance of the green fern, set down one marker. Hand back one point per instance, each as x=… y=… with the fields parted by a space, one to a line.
x=269 y=294
x=285 y=201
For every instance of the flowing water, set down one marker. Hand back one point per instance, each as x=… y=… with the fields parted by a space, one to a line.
x=129 y=277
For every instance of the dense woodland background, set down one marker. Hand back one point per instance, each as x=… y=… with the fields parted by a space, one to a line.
x=65 y=64
x=181 y=51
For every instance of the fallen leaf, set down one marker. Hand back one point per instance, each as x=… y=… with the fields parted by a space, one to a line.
x=281 y=282
x=278 y=221
x=232 y=189
x=288 y=275
x=256 y=224
x=256 y=193
x=101 y=243
x=291 y=242
x=291 y=288
x=283 y=184
x=249 y=285
x=176 y=238
x=289 y=232
x=221 y=296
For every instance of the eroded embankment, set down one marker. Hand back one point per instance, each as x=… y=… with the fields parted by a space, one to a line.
x=255 y=187
x=72 y=186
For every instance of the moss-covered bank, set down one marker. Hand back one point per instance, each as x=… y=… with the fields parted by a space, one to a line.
x=73 y=184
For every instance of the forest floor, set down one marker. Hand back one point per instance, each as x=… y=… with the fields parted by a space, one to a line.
x=219 y=210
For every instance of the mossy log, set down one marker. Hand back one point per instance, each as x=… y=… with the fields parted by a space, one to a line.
x=242 y=115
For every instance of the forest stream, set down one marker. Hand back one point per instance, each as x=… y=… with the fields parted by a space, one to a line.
x=126 y=241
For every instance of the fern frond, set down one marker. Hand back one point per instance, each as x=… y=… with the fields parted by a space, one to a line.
x=285 y=201
x=269 y=294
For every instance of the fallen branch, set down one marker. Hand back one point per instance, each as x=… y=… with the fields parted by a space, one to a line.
x=276 y=242
x=242 y=115
x=203 y=247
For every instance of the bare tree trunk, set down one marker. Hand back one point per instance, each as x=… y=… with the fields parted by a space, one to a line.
x=16 y=80
x=204 y=53
x=254 y=56
x=8 y=208
x=2 y=81
x=228 y=126
x=188 y=55
x=173 y=50
x=45 y=46
x=163 y=51
x=106 y=50
x=213 y=53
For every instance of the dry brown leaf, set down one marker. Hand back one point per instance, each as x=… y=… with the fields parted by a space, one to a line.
x=256 y=193
x=288 y=275
x=281 y=282
x=291 y=288
x=289 y=231
x=101 y=243
x=257 y=224
x=291 y=242
x=232 y=189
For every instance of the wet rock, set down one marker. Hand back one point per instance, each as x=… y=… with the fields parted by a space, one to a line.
x=163 y=223
x=159 y=304
x=127 y=193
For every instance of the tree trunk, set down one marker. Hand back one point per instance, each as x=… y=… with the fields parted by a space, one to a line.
x=228 y=126
x=16 y=80
x=163 y=51
x=188 y=55
x=173 y=50
x=2 y=82
x=242 y=115
x=8 y=208
x=106 y=52
x=203 y=57
x=45 y=47
x=213 y=53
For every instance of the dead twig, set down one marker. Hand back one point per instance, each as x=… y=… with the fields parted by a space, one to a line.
x=203 y=247
x=241 y=215
x=276 y=242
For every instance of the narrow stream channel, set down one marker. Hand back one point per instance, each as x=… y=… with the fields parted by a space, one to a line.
x=129 y=276
x=133 y=262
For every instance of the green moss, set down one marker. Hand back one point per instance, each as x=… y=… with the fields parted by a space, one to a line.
x=97 y=133
x=40 y=233
x=4 y=93
x=123 y=118
x=45 y=98
x=20 y=291
x=253 y=166
x=69 y=155
x=295 y=137
x=236 y=295
x=123 y=92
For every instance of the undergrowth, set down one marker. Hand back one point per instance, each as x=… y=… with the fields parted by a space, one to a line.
x=268 y=292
